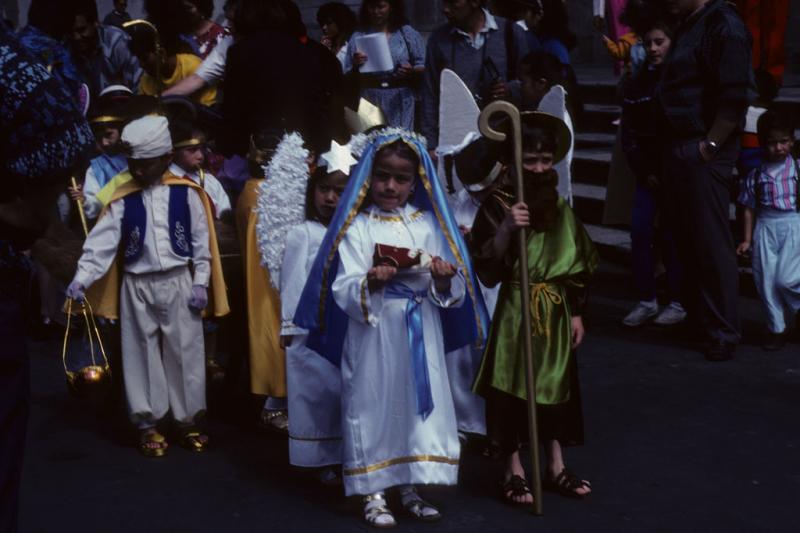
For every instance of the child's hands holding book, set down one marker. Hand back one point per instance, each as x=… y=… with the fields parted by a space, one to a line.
x=380 y=275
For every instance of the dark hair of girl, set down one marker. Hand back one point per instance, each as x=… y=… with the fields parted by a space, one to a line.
x=182 y=130
x=541 y=193
x=643 y=16
x=397 y=14
x=204 y=7
x=401 y=150
x=542 y=65
x=319 y=175
x=342 y=16
x=555 y=23
x=87 y=8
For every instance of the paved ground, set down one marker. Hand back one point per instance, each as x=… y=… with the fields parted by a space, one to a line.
x=673 y=444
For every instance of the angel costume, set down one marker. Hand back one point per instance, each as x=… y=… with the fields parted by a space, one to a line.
x=313 y=383
x=398 y=419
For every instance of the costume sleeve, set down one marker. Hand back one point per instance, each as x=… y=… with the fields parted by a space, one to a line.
x=490 y=268
x=577 y=295
x=91 y=205
x=293 y=278
x=217 y=193
x=101 y=246
x=350 y=288
x=201 y=254
x=747 y=194
x=454 y=297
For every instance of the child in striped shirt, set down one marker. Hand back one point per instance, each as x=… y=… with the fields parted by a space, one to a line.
x=770 y=197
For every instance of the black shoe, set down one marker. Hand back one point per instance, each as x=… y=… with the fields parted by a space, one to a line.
x=719 y=351
x=774 y=341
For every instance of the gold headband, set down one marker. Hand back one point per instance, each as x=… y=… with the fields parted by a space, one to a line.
x=105 y=119
x=188 y=143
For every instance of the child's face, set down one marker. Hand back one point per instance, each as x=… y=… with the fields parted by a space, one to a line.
x=330 y=29
x=149 y=171
x=327 y=193
x=537 y=162
x=107 y=139
x=121 y=5
x=392 y=180
x=778 y=145
x=190 y=158
x=657 y=44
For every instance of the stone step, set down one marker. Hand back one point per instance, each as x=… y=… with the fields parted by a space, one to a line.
x=599 y=118
x=591 y=165
x=595 y=140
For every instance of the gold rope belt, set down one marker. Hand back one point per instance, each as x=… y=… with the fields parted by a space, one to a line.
x=538 y=291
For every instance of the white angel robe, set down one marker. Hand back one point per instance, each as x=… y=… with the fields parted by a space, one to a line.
x=313 y=384
x=385 y=441
x=463 y=364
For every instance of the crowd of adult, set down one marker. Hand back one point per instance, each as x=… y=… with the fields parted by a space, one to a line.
x=688 y=95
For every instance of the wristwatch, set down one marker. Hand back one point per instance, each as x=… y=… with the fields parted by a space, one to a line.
x=712 y=146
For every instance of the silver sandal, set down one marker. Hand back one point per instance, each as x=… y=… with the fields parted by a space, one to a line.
x=415 y=506
x=377 y=513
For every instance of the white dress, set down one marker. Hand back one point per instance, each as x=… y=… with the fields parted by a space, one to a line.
x=313 y=383
x=385 y=441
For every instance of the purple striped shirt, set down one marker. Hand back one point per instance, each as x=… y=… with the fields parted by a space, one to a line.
x=773 y=186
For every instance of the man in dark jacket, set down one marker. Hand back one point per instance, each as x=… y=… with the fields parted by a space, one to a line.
x=703 y=97
x=482 y=49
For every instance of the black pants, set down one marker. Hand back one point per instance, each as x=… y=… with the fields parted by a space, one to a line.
x=507 y=418
x=697 y=204
x=14 y=399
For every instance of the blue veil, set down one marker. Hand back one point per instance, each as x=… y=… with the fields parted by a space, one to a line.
x=317 y=310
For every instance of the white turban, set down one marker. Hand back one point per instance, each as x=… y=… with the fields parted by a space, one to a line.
x=148 y=137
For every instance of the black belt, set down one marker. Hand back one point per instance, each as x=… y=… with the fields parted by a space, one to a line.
x=367 y=81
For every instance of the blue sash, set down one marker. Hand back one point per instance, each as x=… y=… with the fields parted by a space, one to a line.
x=134 y=224
x=106 y=167
x=416 y=343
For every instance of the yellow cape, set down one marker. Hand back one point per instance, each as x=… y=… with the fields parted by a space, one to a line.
x=103 y=295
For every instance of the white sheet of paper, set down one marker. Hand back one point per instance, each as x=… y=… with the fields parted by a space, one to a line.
x=376 y=47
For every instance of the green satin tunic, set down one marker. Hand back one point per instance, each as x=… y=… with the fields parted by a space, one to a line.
x=560 y=263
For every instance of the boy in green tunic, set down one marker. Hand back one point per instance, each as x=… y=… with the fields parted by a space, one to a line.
x=561 y=259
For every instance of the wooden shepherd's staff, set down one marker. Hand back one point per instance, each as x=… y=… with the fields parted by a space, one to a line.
x=81 y=212
x=506 y=108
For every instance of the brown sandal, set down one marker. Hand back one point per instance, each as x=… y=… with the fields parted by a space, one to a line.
x=566 y=483
x=516 y=486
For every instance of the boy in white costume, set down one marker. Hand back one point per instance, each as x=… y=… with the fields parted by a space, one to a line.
x=161 y=226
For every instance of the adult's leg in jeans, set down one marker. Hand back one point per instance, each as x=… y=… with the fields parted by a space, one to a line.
x=14 y=405
x=672 y=263
x=642 y=232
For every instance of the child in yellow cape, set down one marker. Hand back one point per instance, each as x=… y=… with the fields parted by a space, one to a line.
x=156 y=231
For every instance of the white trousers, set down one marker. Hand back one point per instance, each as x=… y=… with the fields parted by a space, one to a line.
x=163 y=357
x=776 y=265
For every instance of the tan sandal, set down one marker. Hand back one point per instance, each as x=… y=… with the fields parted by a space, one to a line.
x=149 y=437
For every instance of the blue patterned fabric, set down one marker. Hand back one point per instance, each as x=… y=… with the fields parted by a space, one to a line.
x=460 y=326
x=54 y=55
x=41 y=129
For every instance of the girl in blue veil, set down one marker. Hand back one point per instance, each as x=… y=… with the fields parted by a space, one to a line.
x=391 y=291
